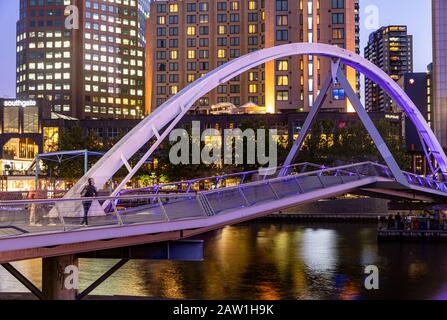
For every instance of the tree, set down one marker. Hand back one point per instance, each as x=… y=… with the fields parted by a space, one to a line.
x=395 y=143
x=183 y=171
x=331 y=145
x=72 y=139
x=178 y=172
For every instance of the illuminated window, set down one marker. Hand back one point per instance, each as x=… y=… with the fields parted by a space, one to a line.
x=252 y=5
x=51 y=139
x=11 y=120
x=283 y=65
x=253 y=88
x=174 y=90
x=252 y=29
x=191 y=78
x=221 y=30
x=221 y=53
x=191 y=31
x=338 y=33
x=253 y=76
x=282 y=95
x=31 y=120
x=191 y=54
x=283 y=80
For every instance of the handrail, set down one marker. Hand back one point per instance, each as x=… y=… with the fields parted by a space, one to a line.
x=438 y=185
x=304 y=174
x=225 y=176
x=321 y=167
x=172 y=205
x=179 y=195
x=105 y=198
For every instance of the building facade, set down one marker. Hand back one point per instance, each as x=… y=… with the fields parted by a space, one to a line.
x=418 y=86
x=27 y=131
x=439 y=14
x=21 y=139
x=288 y=125
x=391 y=49
x=187 y=39
x=85 y=57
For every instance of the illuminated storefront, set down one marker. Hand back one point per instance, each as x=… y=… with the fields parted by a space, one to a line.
x=20 y=141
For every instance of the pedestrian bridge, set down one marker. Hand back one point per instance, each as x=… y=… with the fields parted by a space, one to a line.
x=181 y=210
x=50 y=228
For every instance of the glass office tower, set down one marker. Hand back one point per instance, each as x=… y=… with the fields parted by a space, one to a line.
x=95 y=71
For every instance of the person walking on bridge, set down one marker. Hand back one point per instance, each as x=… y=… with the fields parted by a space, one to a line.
x=89 y=191
x=33 y=218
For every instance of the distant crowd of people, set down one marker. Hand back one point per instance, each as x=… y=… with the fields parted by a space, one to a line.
x=426 y=221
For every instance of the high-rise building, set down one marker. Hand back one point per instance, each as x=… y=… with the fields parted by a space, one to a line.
x=93 y=71
x=391 y=49
x=143 y=13
x=189 y=38
x=418 y=86
x=439 y=14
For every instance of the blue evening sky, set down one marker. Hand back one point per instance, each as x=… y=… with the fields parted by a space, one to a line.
x=414 y=13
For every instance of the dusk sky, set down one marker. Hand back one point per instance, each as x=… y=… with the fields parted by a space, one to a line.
x=414 y=13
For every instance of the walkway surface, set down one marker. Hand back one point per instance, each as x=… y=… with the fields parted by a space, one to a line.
x=223 y=200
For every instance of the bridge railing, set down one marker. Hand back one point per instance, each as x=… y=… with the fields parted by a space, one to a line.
x=21 y=217
x=247 y=195
x=371 y=168
x=425 y=182
x=223 y=181
x=55 y=215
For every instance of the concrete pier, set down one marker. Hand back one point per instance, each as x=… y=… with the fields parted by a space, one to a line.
x=59 y=278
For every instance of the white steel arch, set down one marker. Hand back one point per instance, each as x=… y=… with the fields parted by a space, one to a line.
x=169 y=114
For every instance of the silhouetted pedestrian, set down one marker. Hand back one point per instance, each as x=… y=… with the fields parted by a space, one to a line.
x=89 y=191
x=398 y=221
x=33 y=214
x=382 y=222
x=390 y=222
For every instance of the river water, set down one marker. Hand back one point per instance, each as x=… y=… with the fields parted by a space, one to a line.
x=276 y=260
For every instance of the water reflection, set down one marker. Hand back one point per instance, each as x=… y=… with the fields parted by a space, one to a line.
x=275 y=261
x=319 y=250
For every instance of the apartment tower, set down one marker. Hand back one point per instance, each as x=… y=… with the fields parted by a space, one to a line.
x=439 y=8
x=391 y=49
x=187 y=39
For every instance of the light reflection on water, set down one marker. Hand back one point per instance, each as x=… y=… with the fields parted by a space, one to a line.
x=261 y=260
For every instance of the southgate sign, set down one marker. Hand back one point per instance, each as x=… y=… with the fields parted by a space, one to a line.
x=19 y=103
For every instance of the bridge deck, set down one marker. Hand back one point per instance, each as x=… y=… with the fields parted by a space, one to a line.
x=144 y=214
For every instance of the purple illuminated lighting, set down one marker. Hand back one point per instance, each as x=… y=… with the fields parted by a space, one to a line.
x=171 y=112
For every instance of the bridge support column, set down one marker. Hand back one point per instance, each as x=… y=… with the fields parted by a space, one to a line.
x=55 y=282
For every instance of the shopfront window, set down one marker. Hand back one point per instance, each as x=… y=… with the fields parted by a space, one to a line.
x=50 y=139
x=31 y=120
x=25 y=149
x=11 y=120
